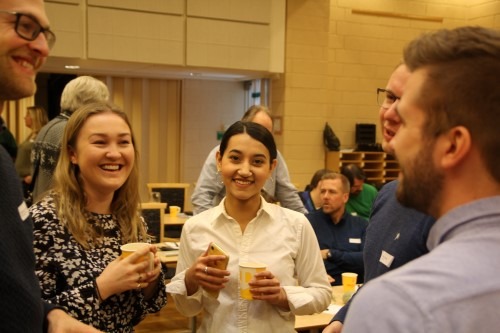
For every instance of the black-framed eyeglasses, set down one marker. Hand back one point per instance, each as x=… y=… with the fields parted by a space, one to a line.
x=385 y=98
x=28 y=28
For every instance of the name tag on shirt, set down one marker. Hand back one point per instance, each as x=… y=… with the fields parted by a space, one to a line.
x=355 y=240
x=24 y=213
x=386 y=259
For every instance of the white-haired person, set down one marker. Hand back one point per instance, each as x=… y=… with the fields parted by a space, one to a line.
x=45 y=153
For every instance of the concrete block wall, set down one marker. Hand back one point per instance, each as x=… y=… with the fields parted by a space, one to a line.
x=335 y=60
x=301 y=95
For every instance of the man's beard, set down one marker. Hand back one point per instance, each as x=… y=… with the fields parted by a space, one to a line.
x=14 y=89
x=421 y=184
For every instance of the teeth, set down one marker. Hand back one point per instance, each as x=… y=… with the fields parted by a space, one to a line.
x=243 y=182
x=26 y=64
x=111 y=167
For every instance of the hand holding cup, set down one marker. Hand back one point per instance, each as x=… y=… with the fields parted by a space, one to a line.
x=132 y=270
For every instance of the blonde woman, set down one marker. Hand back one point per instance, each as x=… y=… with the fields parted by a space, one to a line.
x=35 y=119
x=81 y=224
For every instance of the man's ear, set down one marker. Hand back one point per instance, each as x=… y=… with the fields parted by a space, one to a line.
x=345 y=197
x=454 y=146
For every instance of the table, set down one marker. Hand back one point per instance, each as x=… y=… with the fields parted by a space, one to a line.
x=172 y=226
x=178 y=220
x=167 y=259
x=316 y=322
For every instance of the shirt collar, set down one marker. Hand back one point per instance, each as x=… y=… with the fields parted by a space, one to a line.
x=461 y=215
x=220 y=210
x=328 y=218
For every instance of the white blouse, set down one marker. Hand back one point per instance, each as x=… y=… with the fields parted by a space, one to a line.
x=281 y=238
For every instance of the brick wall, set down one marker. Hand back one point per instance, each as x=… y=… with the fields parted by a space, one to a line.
x=336 y=58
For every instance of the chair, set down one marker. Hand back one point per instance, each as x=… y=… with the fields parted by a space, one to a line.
x=173 y=194
x=154 y=215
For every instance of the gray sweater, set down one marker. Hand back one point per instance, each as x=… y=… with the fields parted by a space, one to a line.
x=45 y=153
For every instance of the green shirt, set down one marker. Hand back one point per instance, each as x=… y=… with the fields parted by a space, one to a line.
x=362 y=203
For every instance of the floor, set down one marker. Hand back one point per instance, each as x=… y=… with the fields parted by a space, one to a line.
x=167 y=320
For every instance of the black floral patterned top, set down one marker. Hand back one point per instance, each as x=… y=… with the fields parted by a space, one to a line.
x=67 y=272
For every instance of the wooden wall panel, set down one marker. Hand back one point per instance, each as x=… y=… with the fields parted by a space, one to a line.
x=67 y=21
x=135 y=36
x=157 y=6
x=227 y=44
x=237 y=10
x=229 y=34
x=153 y=107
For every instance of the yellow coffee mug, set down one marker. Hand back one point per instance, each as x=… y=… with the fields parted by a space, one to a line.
x=247 y=272
x=174 y=211
x=349 y=281
x=128 y=249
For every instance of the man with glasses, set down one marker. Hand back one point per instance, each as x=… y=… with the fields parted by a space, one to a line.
x=448 y=150
x=395 y=234
x=25 y=41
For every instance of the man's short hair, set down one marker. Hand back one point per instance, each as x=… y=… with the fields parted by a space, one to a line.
x=343 y=179
x=352 y=172
x=462 y=85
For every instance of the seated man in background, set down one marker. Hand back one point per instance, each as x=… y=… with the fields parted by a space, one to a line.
x=362 y=195
x=311 y=196
x=209 y=189
x=341 y=236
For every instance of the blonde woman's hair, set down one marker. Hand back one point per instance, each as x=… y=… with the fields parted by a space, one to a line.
x=38 y=118
x=70 y=196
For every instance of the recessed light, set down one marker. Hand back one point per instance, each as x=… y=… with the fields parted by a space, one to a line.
x=72 y=67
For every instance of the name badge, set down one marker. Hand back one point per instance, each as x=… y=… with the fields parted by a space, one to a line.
x=23 y=210
x=386 y=259
x=355 y=240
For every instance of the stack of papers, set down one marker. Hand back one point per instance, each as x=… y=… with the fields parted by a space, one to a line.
x=169 y=253
x=167 y=246
x=333 y=309
x=168 y=249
